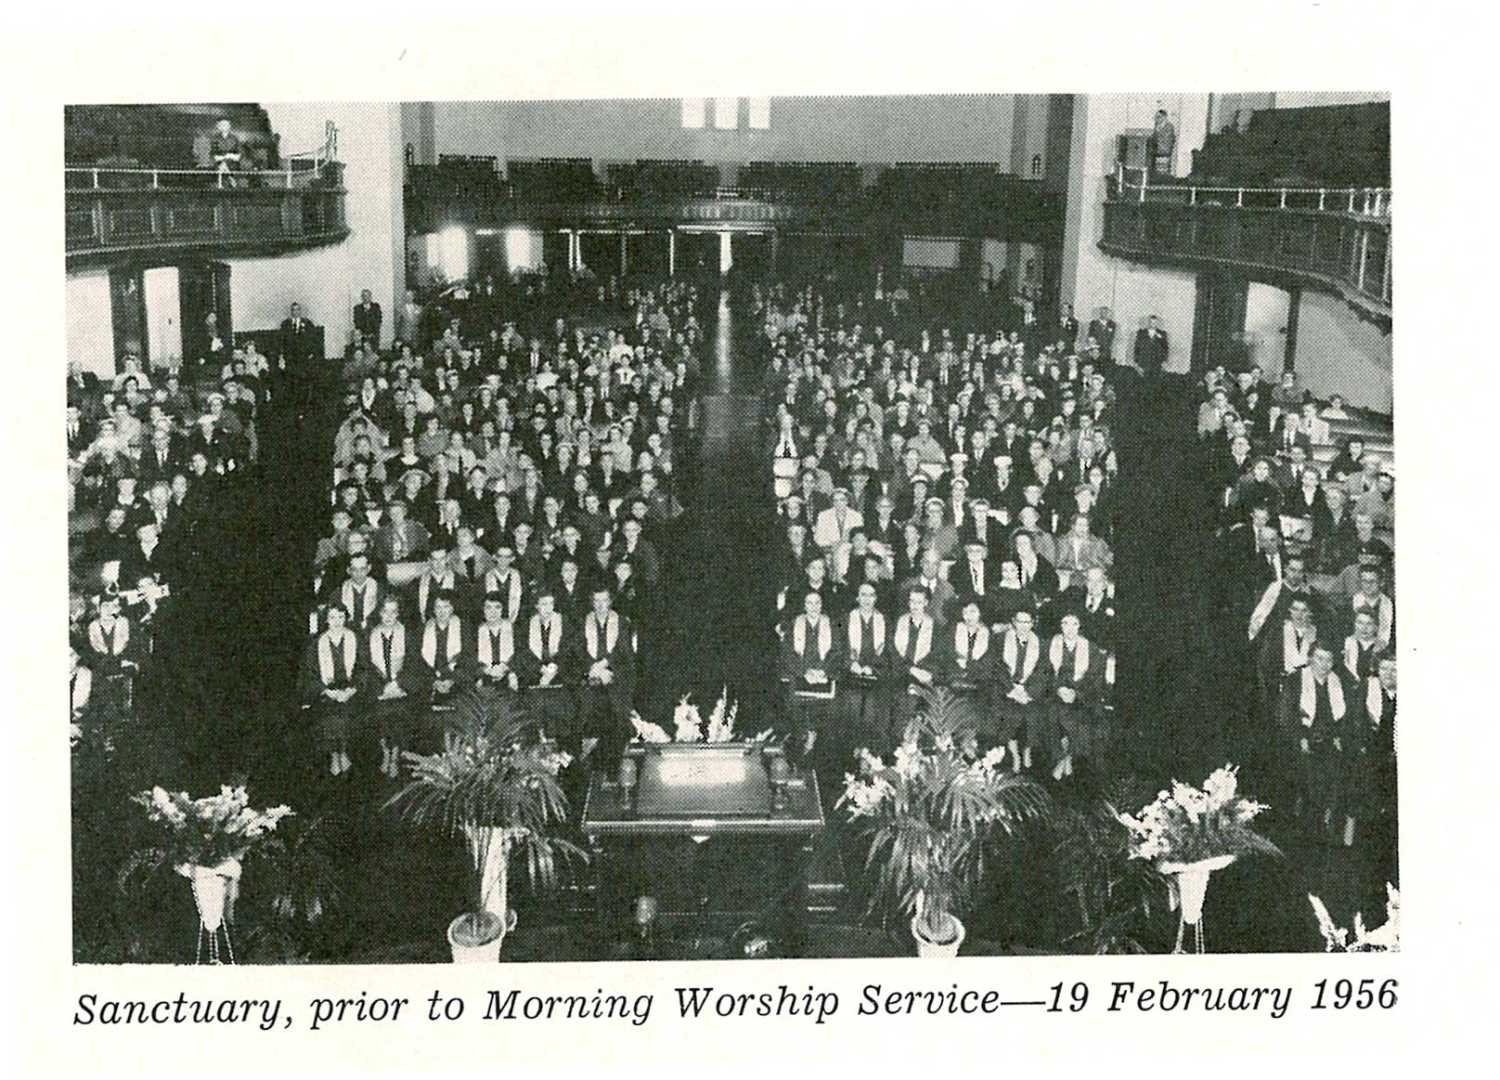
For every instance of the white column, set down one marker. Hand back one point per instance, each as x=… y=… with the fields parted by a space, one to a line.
x=671 y=252
x=726 y=252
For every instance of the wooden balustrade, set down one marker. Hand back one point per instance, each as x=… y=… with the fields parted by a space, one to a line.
x=1343 y=247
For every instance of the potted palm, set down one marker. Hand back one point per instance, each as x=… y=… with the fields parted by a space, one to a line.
x=929 y=814
x=494 y=783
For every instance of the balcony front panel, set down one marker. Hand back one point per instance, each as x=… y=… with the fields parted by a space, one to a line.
x=1334 y=251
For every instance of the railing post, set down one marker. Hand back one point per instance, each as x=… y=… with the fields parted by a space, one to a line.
x=96 y=177
x=1351 y=200
x=1283 y=198
x=1239 y=197
x=1321 y=195
x=155 y=178
x=1192 y=196
x=1386 y=283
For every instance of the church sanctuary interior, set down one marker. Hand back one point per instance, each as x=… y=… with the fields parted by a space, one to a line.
x=708 y=528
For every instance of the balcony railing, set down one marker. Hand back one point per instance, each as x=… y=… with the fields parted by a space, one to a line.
x=1019 y=210
x=113 y=211
x=1337 y=239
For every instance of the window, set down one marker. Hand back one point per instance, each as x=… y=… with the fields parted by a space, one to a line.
x=726 y=113
x=760 y=113
x=693 y=111
x=1036 y=165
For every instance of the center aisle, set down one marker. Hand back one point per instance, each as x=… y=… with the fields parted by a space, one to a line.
x=717 y=585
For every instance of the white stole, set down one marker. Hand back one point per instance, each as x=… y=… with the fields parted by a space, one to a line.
x=856 y=633
x=119 y=637
x=1293 y=657
x=1309 y=700
x=346 y=594
x=961 y=642
x=452 y=644
x=398 y=650
x=554 y=636
x=325 y=655
x=507 y=644
x=1080 y=656
x=922 y=646
x=1351 y=654
x=611 y=633
x=82 y=680
x=825 y=636
x=512 y=590
x=1009 y=650
x=447 y=581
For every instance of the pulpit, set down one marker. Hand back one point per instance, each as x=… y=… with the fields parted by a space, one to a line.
x=708 y=828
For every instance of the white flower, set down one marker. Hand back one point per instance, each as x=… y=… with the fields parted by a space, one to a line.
x=993 y=757
x=908 y=760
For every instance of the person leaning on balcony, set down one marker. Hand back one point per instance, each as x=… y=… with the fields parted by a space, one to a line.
x=225 y=150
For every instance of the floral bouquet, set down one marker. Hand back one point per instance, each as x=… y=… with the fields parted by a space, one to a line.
x=1384 y=938
x=206 y=841
x=689 y=726
x=1190 y=833
x=929 y=813
x=211 y=830
x=1188 y=825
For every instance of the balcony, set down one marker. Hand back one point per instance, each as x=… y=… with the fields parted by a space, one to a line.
x=1004 y=207
x=1334 y=239
x=131 y=212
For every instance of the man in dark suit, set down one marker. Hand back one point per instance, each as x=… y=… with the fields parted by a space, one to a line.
x=1102 y=330
x=1067 y=328
x=367 y=318
x=1151 y=347
x=296 y=337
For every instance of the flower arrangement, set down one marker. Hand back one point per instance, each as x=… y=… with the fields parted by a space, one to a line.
x=1188 y=824
x=211 y=830
x=1384 y=938
x=930 y=811
x=689 y=726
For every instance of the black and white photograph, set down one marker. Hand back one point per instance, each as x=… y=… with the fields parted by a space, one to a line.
x=709 y=528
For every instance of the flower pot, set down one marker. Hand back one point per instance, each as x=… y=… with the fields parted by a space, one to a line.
x=942 y=950
x=1192 y=883
x=476 y=937
x=214 y=891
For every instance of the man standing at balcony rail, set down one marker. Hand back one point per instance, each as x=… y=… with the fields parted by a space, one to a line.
x=1151 y=347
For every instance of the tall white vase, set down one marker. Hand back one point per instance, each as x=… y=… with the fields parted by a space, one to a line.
x=1192 y=883
x=214 y=891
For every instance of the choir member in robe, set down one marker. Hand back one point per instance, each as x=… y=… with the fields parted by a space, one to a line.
x=329 y=668
x=1022 y=717
x=1077 y=677
x=809 y=666
x=1317 y=717
x=914 y=660
x=446 y=660
x=495 y=650
x=866 y=690
x=545 y=668
x=970 y=661
x=392 y=685
x=608 y=662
